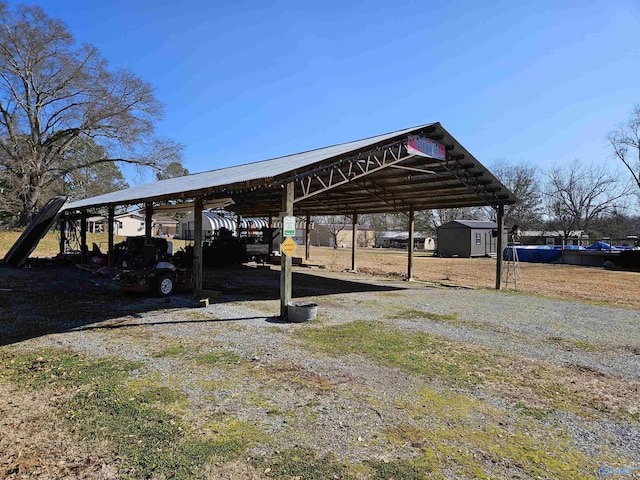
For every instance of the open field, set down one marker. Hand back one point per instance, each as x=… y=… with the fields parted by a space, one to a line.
x=403 y=380
x=564 y=281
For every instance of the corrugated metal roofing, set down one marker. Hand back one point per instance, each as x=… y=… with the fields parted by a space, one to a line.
x=231 y=175
x=416 y=182
x=470 y=224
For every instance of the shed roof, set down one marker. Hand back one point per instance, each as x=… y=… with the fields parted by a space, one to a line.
x=470 y=224
x=375 y=174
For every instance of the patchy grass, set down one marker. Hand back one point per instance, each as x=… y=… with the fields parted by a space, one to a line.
x=570 y=345
x=218 y=357
x=304 y=464
x=174 y=351
x=410 y=313
x=465 y=431
x=231 y=437
x=418 y=353
x=533 y=383
x=103 y=403
x=60 y=368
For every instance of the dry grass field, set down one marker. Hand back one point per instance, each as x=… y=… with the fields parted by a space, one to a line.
x=563 y=281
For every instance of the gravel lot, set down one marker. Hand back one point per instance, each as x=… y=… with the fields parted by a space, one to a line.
x=347 y=404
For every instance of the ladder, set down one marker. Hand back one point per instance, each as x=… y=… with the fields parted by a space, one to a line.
x=512 y=270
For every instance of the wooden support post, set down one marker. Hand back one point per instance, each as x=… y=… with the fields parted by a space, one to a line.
x=62 y=224
x=307 y=237
x=270 y=221
x=354 y=240
x=148 y=222
x=499 y=247
x=111 y=259
x=285 y=260
x=412 y=225
x=197 y=245
x=238 y=228
x=83 y=236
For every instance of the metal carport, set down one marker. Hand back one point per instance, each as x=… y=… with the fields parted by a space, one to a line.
x=409 y=170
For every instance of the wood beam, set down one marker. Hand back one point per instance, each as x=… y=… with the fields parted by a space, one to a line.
x=354 y=239
x=307 y=237
x=148 y=222
x=111 y=259
x=197 y=244
x=412 y=225
x=499 y=247
x=285 y=260
x=62 y=225
x=83 y=237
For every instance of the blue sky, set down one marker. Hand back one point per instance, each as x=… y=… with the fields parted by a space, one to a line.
x=242 y=81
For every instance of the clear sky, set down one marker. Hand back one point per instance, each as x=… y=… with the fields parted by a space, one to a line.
x=540 y=81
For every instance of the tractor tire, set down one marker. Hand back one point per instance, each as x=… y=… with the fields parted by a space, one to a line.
x=165 y=284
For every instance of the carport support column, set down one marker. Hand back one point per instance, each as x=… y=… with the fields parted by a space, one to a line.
x=354 y=238
x=499 y=247
x=285 y=260
x=83 y=236
x=63 y=234
x=197 y=245
x=148 y=222
x=111 y=260
x=412 y=225
x=307 y=237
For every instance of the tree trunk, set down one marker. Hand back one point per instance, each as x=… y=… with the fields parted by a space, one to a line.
x=31 y=201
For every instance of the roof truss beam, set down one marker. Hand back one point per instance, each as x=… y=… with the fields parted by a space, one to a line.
x=349 y=170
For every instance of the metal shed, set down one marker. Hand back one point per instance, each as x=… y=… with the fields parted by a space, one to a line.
x=417 y=168
x=468 y=238
x=214 y=221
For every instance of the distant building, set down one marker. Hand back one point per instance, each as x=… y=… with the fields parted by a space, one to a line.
x=468 y=238
x=125 y=225
x=541 y=237
x=395 y=239
x=322 y=237
x=164 y=226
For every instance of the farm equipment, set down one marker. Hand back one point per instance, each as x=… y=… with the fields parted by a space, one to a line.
x=152 y=268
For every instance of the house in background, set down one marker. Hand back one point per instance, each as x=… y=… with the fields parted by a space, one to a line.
x=468 y=238
x=125 y=225
x=322 y=236
x=164 y=226
x=539 y=237
x=395 y=239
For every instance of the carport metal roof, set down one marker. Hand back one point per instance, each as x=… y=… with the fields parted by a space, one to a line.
x=373 y=175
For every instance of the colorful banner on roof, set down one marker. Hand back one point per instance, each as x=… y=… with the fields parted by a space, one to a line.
x=425 y=147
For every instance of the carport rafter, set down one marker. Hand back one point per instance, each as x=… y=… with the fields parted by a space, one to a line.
x=348 y=170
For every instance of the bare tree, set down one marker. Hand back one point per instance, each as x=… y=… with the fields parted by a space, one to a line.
x=524 y=181
x=442 y=216
x=52 y=93
x=335 y=224
x=578 y=195
x=625 y=141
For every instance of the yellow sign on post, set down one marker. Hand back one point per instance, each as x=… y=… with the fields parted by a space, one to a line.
x=288 y=246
